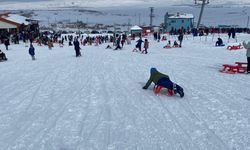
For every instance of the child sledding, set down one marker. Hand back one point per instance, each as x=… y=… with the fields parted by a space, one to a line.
x=175 y=45
x=163 y=81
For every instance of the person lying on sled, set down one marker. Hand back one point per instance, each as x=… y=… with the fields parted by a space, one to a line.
x=163 y=80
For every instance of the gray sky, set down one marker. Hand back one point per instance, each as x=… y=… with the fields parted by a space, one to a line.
x=33 y=4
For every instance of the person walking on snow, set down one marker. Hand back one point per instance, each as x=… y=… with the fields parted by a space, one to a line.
x=138 y=45
x=146 y=45
x=247 y=46
x=163 y=80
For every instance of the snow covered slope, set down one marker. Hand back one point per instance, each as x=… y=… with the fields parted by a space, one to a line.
x=60 y=102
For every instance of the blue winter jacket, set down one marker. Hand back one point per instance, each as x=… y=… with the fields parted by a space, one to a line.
x=32 y=51
x=139 y=42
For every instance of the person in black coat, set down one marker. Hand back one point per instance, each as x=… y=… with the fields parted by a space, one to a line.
x=118 y=41
x=2 y=56
x=32 y=52
x=7 y=43
x=180 y=38
x=233 y=33
x=219 y=42
x=77 y=48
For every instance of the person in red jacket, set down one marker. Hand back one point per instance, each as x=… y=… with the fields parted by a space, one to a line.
x=146 y=45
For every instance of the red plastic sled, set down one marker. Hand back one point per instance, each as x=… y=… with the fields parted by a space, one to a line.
x=240 y=67
x=157 y=90
x=234 y=47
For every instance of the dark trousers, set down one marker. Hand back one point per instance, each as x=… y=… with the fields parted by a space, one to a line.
x=180 y=43
x=145 y=51
x=78 y=53
x=166 y=82
x=118 y=47
x=248 y=64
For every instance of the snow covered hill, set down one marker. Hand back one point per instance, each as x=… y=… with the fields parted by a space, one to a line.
x=213 y=16
x=60 y=102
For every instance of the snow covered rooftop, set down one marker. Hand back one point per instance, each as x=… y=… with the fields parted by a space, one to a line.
x=136 y=28
x=184 y=15
x=16 y=18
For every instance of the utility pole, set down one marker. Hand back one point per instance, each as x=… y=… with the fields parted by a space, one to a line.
x=248 y=18
x=129 y=24
x=151 y=16
x=203 y=3
x=139 y=19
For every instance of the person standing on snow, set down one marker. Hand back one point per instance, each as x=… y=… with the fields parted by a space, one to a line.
x=146 y=45
x=32 y=52
x=118 y=41
x=180 y=37
x=247 y=46
x=163 y=80
x=77 y=47
x=7 y=43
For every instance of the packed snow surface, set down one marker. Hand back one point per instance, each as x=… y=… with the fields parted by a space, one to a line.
x=96 y=102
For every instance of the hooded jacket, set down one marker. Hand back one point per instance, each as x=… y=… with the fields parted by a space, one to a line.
x=155 y=76
x=247 y=46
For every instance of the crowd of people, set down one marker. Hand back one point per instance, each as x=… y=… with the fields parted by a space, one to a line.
x=118 y=41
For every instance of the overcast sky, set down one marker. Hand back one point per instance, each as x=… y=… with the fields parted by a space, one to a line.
x=15 y=4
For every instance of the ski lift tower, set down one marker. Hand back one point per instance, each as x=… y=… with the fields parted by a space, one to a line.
x=202 y=3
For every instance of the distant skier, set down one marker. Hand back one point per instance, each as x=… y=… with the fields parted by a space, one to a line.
x=164 y=81
x=32 y=51
x=247 y=46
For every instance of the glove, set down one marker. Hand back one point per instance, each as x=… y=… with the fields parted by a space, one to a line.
x=144 y=87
